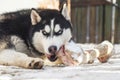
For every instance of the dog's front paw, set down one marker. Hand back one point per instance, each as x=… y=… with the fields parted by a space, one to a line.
x=35 y=63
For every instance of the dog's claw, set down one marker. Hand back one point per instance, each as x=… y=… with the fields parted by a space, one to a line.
x=35 y=64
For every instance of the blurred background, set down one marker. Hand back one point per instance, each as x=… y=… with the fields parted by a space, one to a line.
x=93 y=20
x=96 y=20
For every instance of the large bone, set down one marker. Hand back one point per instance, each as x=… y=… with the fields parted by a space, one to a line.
x=70 y=56
x=101 y=51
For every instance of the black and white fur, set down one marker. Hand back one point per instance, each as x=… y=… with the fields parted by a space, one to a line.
x=27 y=34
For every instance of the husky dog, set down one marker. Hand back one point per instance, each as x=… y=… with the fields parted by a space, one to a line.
x=27 y=34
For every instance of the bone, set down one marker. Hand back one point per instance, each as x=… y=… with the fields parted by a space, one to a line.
x=66 y=57
x=72 y=54
x=106 y=50
x=102 y=52
x=76 y=52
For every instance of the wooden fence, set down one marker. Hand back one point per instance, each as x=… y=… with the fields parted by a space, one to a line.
x=94 y=21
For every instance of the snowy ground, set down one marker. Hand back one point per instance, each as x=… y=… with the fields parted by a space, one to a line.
x=96 y=71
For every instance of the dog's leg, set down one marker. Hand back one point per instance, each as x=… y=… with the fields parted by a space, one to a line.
x=14 y=58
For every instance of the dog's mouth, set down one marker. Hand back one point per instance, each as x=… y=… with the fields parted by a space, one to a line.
x=52 y=57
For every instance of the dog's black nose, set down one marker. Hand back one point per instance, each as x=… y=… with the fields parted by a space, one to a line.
x=52 y=49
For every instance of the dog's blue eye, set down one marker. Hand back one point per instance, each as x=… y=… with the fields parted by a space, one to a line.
x=59 y=32
x=45 y=33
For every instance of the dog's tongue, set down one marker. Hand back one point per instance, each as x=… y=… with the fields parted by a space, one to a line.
x=66 y=57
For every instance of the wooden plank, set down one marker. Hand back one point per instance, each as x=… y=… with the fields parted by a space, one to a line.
x=117 y=24
x=92 y=24
x=84 y=24
x=79 y=24
x=108 y=21
x=100 y=30
x=84 y=3
x=78 y=27
x=73 y=18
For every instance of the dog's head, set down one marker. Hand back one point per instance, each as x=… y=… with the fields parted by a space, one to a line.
x=50 y=30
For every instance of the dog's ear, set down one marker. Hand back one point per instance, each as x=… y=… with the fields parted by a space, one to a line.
x=35 y=17
x=64 y=11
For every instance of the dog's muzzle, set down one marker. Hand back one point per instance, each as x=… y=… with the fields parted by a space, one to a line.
x=53 y=51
